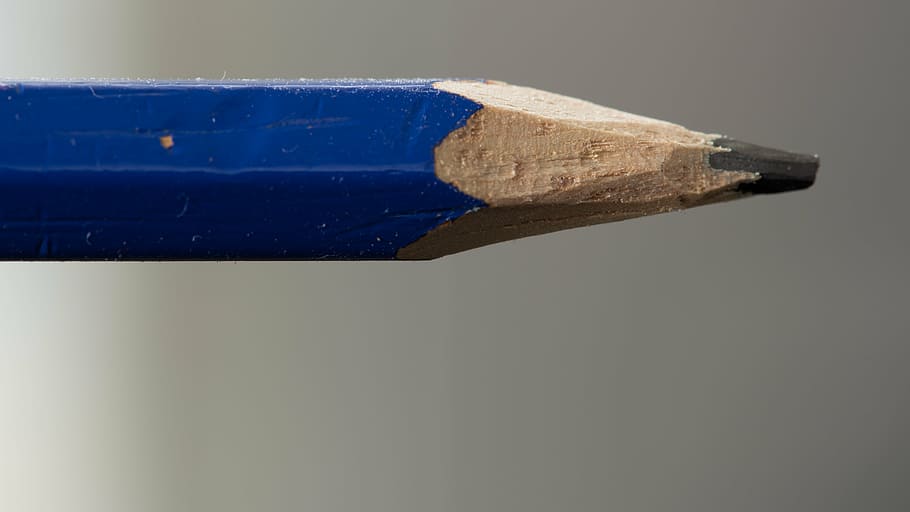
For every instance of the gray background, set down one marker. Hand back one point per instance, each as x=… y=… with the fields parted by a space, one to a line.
x=749 y=356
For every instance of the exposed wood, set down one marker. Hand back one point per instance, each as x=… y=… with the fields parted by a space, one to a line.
x=545 y=162
x=530 y=146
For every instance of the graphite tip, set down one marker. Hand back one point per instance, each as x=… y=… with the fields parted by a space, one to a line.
x=779 y=171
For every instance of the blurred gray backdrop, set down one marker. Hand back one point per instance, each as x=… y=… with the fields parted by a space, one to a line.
x=749 y=356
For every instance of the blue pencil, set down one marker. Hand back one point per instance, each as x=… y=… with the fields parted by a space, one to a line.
x=339 y=169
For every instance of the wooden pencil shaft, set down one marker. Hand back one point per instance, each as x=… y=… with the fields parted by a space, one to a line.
x=353 y=169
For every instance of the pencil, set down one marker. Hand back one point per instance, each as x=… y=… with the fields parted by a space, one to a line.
x=340 y=169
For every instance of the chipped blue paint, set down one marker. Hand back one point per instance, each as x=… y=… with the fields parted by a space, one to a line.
x=223 y=170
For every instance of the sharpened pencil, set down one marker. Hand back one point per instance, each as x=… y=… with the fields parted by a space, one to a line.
x=340 y=169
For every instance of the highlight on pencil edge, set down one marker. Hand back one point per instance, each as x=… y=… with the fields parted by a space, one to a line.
x=340 y=169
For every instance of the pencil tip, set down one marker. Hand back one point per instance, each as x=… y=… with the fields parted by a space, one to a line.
x=779 y=171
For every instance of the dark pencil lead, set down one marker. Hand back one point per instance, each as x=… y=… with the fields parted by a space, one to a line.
x=780 y=171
